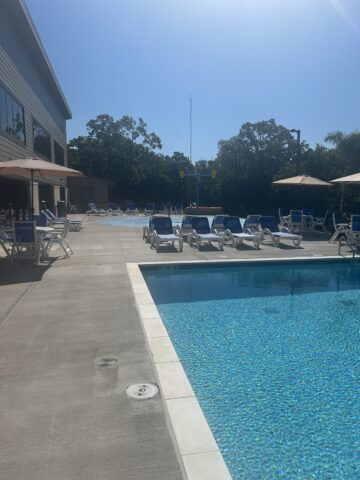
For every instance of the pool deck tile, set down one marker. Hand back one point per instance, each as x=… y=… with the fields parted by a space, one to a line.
x=173 y=380
x=186 y=416
x=209 y=466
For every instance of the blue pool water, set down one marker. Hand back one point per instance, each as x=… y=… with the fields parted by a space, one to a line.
x=272 y=353
x=133 y=221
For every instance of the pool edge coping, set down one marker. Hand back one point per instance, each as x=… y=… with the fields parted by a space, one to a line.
x=201 y=459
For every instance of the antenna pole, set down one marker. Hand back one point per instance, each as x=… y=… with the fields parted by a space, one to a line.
x=190 y=129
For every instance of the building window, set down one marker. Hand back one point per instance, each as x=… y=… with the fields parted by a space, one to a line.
x=11 y=116
x=41 y=138
x=59 y=154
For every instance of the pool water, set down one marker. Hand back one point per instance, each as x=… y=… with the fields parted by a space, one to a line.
x=272 y=353
x=133 y=221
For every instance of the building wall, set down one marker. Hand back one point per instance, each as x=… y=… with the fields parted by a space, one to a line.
x=25 y=72
x=14 y=82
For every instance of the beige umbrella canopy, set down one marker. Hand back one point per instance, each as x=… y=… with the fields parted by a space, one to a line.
x=355 y=178
x=304 y=180
x=350 y=179
x=26 y=167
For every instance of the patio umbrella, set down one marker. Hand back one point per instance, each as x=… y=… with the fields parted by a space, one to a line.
x=350 y=179
x=26 y=167
x=303 y=180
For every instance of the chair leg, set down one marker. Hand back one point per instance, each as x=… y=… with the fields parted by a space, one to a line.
x=64 y=248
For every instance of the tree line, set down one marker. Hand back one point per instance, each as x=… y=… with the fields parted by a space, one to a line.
x=129 y=157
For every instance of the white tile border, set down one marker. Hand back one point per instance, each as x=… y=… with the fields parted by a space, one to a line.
x=199 y=452
x=200 y=455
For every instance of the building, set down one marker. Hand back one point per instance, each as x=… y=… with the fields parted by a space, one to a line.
x=33 y=109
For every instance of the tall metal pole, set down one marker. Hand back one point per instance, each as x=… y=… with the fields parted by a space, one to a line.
x=32 y=193
x=190 y=119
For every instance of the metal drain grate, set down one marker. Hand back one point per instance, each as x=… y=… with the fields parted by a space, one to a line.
x=142 y=391
x=107 y=362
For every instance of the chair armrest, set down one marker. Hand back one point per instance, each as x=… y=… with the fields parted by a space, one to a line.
x=285 y=230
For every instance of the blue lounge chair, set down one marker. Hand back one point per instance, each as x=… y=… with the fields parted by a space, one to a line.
x=217 y=225
x=149 y=208
x=234 y=232
x=114 y=209
x=252 y=223
x=163 y=232
x=131 y=209
x=147 y=230
x=93 y=210
x=351 y=236
x=269 y=227
x=74 y=225
x=201 y=233
x=185 y=230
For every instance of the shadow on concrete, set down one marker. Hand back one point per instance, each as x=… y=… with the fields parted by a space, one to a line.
x=24 y=271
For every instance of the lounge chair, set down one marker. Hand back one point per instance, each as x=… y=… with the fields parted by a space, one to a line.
x=114 y=209
x=201 y=233
x=269 y=227
x=252 y=224
x=93 y=210
x=149 y=208
x=234 y=232
x=178 y=209
x=74 y=225
x=147 y=230
x=217 y=225
x=185 y=230
x=163 y=232
x=25 y=242
x=60 y=239
x=131 y=209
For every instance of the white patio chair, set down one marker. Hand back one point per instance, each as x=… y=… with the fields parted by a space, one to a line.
x=341 y=228
x=296 y=221
x=59 y=238
x=320 y=222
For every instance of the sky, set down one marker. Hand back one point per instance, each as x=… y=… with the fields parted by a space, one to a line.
x=297 y=61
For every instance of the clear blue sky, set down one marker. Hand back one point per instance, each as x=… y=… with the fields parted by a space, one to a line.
x=297 y=61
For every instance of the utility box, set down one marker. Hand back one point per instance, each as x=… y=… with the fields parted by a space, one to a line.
x=60 y=208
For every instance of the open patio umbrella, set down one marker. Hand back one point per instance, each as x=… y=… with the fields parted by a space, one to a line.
x=348 y=180
x=303 y=180
x=26 y=167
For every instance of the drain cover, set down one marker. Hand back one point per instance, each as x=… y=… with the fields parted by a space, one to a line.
x=142 y=391
x=107 y=362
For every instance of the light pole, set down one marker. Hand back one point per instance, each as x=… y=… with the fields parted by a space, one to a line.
x=298 y=133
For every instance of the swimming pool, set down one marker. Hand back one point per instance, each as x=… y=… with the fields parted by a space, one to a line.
x=272 y=353
x=136 y=221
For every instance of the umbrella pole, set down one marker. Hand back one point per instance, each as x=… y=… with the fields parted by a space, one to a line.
x=32 y=193
x=341 y=207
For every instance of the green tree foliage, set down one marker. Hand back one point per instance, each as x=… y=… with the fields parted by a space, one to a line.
x=249 y=161
x=124 y=152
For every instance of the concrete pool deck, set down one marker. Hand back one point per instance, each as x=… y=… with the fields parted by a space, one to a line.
x=62 y=416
